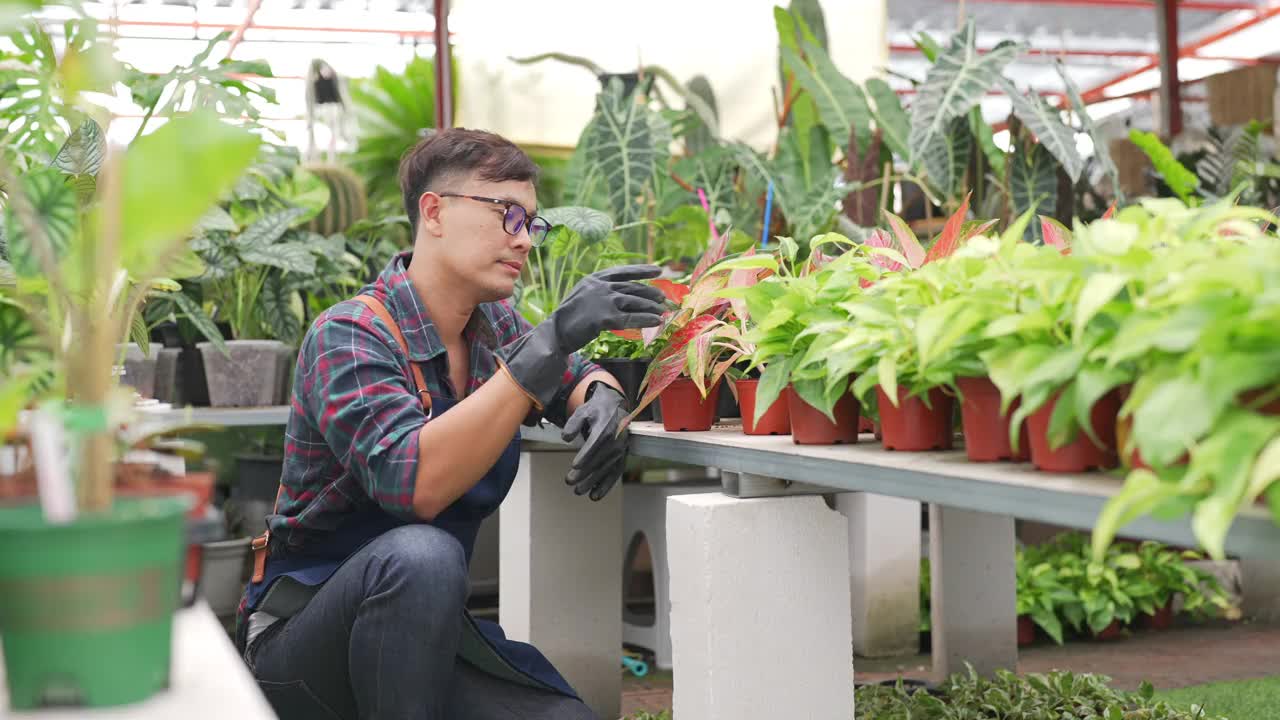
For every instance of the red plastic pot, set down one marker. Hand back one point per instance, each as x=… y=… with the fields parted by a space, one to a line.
x=914 y=427
x=1080 y=454
x=776 y=420
x=866 y=424
x=1026 y=630
x=684 y=409
x=1110 y=632
x=1162 y=620
x=810 y=427
x=1252 y=396
x=986 y=431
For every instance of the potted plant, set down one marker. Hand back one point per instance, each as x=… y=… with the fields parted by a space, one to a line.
x=696 y=345
x=87 y=575
x=258 y=255
x=1166 y=570
x=794 y=313
x=1203 y=340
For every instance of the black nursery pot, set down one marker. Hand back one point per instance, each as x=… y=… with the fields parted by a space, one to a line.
x=630 y=373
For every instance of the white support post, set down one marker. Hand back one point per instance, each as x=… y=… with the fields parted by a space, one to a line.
x=974 y=598
x=560 y=564
x=760 y=622
x=884 y=573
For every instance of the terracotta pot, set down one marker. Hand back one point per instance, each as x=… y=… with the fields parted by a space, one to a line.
x=810 y=427
x=1026 y=630
x=776 y=420
x=133 y=480
x=1162 y=620
x=986 y=431
x=1080 y=454
x=1110 y=632
x=866 y=424
x=1252 y=396
x=914 y=427
x=684 y=409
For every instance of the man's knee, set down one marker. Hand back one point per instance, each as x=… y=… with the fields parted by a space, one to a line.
x=426 y=558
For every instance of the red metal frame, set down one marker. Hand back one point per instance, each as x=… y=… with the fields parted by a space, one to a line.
x=1201 y=5
x=444 y=69
x=1170 y=89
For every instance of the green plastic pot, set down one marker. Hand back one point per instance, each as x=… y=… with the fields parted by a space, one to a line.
x=86 y=609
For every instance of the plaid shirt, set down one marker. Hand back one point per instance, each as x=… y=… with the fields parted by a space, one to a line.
x=352 y=436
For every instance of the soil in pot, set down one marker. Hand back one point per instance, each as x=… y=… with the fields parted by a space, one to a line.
x=776 y=420
x=684 y=408
x=247 y=376
x=913 y=426
x=1081 y=454
x=986 y=431
x=1026 y=630
x=630 y=373
x=810 y=427
x=88 y=606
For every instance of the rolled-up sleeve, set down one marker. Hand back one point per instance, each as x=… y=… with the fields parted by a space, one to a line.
x=357 y=392
x=512 y=326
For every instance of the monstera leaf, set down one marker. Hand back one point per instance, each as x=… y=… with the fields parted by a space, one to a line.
x=1033 y=182
x=955 y=83
x=1046 y=122
x=623 y=150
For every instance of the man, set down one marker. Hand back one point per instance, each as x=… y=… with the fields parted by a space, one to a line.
x=403 y=434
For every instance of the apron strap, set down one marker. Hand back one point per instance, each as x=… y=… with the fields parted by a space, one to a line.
x=259 y=543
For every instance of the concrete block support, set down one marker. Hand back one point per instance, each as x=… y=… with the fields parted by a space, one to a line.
x=884 y=573
x=974 y=600
x=559 y=560
x=760 y=620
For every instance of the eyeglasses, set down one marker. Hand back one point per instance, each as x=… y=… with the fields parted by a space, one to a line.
x=514 y=218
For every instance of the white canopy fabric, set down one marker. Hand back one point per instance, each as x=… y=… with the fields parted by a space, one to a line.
x=733 y=42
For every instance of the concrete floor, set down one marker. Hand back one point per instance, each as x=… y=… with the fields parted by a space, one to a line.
x=1182 y=656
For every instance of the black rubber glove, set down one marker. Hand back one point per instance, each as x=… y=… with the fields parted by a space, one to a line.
x=606 y=300
x=603 y=456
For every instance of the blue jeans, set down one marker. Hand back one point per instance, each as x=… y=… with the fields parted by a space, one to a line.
x=380 y=640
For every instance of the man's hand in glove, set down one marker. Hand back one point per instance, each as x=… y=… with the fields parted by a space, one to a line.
x=603 y=456
x=607 y=300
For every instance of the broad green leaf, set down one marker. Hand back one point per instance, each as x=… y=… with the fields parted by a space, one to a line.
x=891 y=119
x=196 y=314
x=592 y=225
x=1266 y=470
x=887 y=370
x=1101 y=144
x=622 y=144
x=1091 y=384
x=171 y=179
x=277 y=310
x=288 y=256
x=1180 y=180
x=53 y=205
x=946 y=157
x=1033 y=182
x=1174 y=416
x=747 y=262
x=267 y=230
x=1100 y=289
x=1046 y=122
x=840 y=102
x=83 y=152
x=956 y=82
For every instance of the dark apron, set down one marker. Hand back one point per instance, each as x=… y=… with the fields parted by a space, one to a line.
x=291 y=578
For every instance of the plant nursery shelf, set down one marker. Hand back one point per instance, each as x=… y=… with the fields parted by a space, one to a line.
x=946 y=478
x=226 y=417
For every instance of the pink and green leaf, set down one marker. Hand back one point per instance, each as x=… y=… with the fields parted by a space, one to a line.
x=1056 y=234
x=907 y=241
x=714 y=254
x=880 y=239
x=949 y=239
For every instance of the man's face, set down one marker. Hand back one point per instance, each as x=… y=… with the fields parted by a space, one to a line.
x=470 y=239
